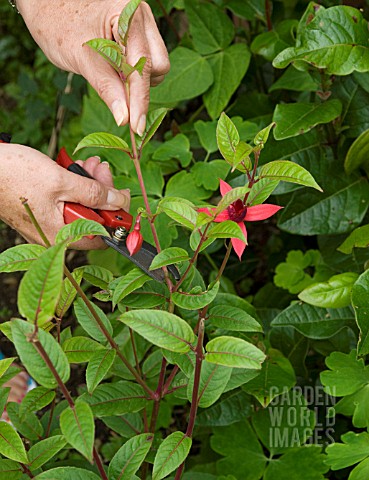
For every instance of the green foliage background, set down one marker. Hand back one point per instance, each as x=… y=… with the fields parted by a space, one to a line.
x=303 y=277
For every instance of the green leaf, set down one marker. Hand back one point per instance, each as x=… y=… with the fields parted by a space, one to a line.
x=313 y=322
x=78 y=229
x=233 y=352
x=213 y=381
x=361 y=471
x=288 y=172
x=32 y=360
x=77 y=425
x=195 y=299
x=28 y=426
x=153 y=122
x=10 y=469
x=190 y=75
x=230 y=197
x=80 y=349
x=179 y=211
x=163 y=329
x=88 y=322
x=233 y=318
x=169 y=256
x=36 y=399
x=338 y=50
x=357 y=154
x=5 y=364
x=172 y=452
x=11 y=445
x=206 y=132
x=116 y=398
x=68 y=293
x=109 y=50
x=335 y=293
x=360 y=303
x=43 y=451
x=208 y=174
x=297 y=118
x=226 y=229
x=152 y=364
x=338 y=211
x=227 y=138
x=97 y=276
x=276 y=378
x=354 y=449
x=125 y=19
x=129 y=458
x=177 y=147
x=261 y=191
x=98 y=367
x=19 y=258
x=227 y=411
x=127 y=425
x=359 y=238
x=103 y=140
x=296 y=80
x=67 y=473
x=262 y=137
x=128 y=284
x=229 y=67
x=210 y=28
x=40 y=287
x=183 y=184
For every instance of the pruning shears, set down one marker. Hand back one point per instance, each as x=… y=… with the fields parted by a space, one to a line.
x=118 y=222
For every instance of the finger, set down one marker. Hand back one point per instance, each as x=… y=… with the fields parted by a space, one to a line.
x=105 y=80
x=156 y=80
x=99 y=171
x=89 y=165
x=158 y=50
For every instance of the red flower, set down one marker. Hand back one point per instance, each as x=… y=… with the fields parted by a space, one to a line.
x=239 y=212
x=134 y=239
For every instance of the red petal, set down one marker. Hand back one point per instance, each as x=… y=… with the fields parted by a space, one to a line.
x=261 y=212
x=134 y=242
x=222 y=217
x=238 y=245
x=224 y=187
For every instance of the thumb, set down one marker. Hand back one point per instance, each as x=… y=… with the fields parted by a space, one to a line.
x=93 y=194
x=105 y=80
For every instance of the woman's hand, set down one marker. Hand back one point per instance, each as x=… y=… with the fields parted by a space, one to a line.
x=61 y=27
x=25 y=172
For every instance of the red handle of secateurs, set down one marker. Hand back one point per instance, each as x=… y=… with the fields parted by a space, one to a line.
x=73 y=211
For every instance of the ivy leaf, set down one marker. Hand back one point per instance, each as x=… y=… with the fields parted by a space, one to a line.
x=233 y=352
x=40 y=287
x=194 y=299
x=98 y=367
x=129 y=457
x=11 y=445
x=103 y=140
x=32 y=360
x=19 y=258
x=288 y=172
x=360 y=303
x=80 y=349
x=314 y=322
x=77 y=425
x=88 y=322
x=335 y=293
x=109 y=50
x=78 y=229
x=359 y=238
x=172 y=452
x=233 y=318
x=44 y=450
x=169 y=256
x=116 y=398
x=125 y=19
x=229 y=67
x=163 y=329
x=190 y=75
x=297 y=118
x=213 y=381
x=227 y=138
x=339 y=51
x=354 y=449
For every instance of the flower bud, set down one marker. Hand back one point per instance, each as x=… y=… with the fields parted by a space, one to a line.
x=134 y=239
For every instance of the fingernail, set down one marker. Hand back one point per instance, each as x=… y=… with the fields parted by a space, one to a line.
x=141 y=125
x=116 y=199
x=120 y=112
x=106 y=165
x=97 y=157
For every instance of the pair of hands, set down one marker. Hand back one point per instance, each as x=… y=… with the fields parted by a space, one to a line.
x=60 y=29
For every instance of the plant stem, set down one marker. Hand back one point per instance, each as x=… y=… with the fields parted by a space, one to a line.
x=35 y=222
x=170 y=379
x=268 y=15
x=26 y=470
x=224 y=263
x=47 y=433
x=195 y=391
x=133 y=343
x=43 y=354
